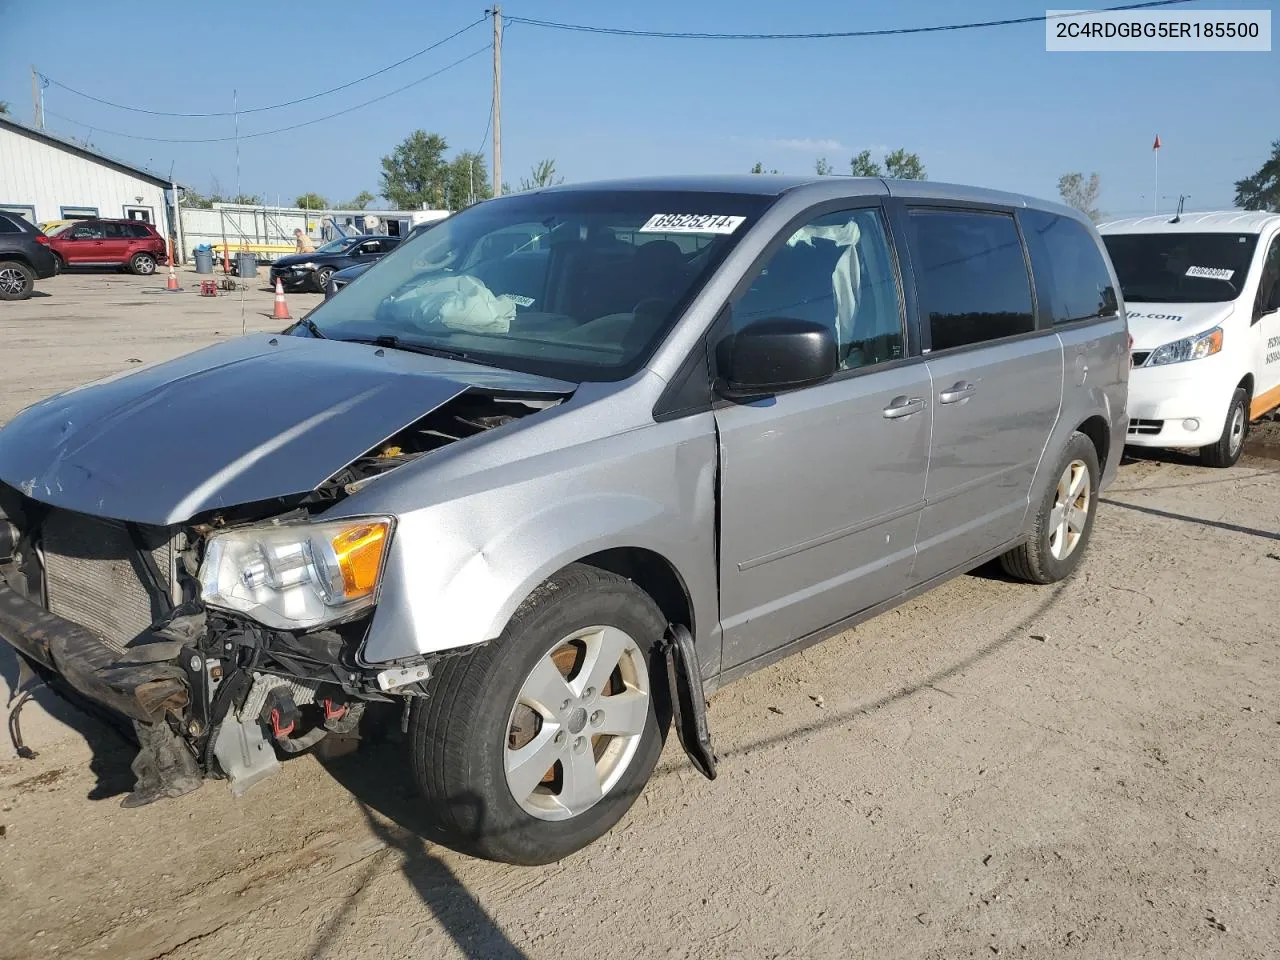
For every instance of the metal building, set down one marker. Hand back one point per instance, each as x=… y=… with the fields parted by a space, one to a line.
x=45 y=177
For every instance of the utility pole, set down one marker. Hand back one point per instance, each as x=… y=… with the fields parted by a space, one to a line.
x=497 y=100
x=37 y=99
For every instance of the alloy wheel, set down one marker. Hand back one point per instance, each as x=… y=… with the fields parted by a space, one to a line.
x=1072 y=502
x=12 y=281
x=577 y=722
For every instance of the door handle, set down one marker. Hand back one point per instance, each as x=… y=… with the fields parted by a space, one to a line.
x=903 y=407
x=960 y=391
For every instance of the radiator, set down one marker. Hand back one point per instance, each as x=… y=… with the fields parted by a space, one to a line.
x=93 y=574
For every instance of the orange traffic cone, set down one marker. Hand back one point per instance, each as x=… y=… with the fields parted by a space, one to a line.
x=172 y=285
x=282 y=308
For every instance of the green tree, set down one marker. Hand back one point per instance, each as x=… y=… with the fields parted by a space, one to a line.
x=4 y=106
x=360 y=201
x=244 y=199
x=468 y=180
x=541 y=174
x=904 y=166
x=863 y=166
x=822 y=168
x=759 y=168
x=194 y=200
x=1080 y=193
x=1261 y=191
x=312 y=201
x=415 y=172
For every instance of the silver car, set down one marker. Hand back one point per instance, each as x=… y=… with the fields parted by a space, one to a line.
x=557 y=469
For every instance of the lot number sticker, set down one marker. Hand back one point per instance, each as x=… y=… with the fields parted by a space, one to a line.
x=1211 y=273
x=691 y=223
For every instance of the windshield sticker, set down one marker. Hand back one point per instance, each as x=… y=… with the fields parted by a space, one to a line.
x=1211 y=273
x=518 y=300
x=691 y=223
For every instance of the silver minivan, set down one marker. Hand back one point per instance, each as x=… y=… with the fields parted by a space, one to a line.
x=557 y=469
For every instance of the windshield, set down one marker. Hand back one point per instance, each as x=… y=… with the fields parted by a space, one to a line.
x=336 y=246
x=1181 y=267
x=576 y=284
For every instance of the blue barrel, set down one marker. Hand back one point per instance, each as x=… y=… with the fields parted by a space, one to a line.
x=247 y=265
x=204 y=260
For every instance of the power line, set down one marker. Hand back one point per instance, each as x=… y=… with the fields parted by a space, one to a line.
x=295 y=126
x=829 y=35
x=274 y=106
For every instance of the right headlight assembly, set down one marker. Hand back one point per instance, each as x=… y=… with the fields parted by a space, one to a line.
x=293 y=576
x=1188 y=348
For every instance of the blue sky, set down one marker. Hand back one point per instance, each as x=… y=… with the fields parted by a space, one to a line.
x=988 y=107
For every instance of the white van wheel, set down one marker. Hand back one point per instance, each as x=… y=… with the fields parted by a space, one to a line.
x=1230 y=445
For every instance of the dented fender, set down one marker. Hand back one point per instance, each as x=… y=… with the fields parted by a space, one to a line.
x=457 y=570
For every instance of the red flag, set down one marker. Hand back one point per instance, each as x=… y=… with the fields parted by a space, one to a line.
x=1156 y=145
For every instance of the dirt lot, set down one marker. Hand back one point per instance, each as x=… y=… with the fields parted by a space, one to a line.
x=991 y=770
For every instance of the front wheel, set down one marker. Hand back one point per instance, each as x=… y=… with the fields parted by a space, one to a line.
x=1230 y=445
x=143 y=264
x=1063 y=521
x=529 y=748
x=322 y=279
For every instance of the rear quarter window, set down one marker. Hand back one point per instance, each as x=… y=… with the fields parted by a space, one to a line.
x=1071 y=276
x=971 y=276
x=8 y=226
x=139 y=231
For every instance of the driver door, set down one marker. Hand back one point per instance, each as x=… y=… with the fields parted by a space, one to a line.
x=822 y=487
x=1266 y=324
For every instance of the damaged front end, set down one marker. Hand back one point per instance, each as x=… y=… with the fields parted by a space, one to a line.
x=235 y=637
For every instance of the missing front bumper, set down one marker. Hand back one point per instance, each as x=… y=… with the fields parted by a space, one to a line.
x=145 y=692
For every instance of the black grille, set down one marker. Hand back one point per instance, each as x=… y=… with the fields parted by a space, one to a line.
x=1140 y=357
x=1145 y=428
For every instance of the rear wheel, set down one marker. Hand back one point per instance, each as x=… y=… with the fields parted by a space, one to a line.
x=533 y=746
x=1063 y=521
x=1230 y=445
x=17 y=280
x=143 y=264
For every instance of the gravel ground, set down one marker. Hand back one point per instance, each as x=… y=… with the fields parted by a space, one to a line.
x=992 y=769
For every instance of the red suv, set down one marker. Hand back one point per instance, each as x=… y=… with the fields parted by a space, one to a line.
x=110 y=243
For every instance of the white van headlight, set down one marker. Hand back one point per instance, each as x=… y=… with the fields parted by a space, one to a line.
x=296 y=575
x=1189 y=348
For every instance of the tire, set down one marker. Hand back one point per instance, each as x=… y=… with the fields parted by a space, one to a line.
x=17 y=280
x=321 y=278
x=469 y=729
x=1227 y=450
x=143 y=264
x=1050 y=554
x=59 y=265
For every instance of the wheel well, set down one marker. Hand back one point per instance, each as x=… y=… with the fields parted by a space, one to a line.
x=1096 y=429
x=16 y=257
x=1246 y=384
x=653 y=574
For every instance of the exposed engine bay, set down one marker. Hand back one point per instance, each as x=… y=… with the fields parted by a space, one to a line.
x=114 y=615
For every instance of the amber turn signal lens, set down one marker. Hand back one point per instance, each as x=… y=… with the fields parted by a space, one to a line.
x=359 y=553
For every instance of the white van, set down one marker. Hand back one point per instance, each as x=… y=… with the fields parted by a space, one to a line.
x=1203 y=297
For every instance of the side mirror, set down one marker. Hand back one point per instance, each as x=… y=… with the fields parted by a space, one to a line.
x=774 y=355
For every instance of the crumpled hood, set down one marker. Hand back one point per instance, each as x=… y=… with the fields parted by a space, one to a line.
x=251 y=419
x=1154 y=324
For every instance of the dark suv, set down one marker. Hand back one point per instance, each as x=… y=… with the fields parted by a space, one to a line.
x=24 y=257
x=111 y=243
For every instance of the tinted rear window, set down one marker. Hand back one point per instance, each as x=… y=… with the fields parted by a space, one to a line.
x=8 y=226
x=117 y=231
x=1071 y=275
x=971 y=276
